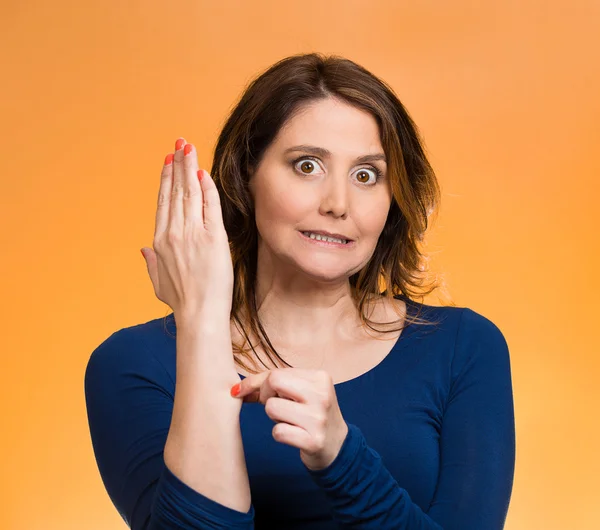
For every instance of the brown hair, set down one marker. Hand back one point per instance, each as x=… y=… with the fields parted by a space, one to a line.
x=267 y=103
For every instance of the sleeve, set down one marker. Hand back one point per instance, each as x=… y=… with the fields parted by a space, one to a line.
x=477 y=447
x=129 y=399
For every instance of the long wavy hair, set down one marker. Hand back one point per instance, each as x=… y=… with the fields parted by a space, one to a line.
x=397 y=266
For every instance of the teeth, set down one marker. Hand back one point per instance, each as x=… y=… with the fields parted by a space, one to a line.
x=319 y=237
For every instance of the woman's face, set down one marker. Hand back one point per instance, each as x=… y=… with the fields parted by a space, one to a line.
x=298 y=189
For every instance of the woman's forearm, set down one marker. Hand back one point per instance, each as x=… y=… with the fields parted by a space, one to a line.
x=204 y=445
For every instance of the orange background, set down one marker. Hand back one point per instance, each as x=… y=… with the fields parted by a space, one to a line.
x=94 y=95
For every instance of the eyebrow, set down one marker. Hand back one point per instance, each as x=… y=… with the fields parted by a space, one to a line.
x=324 y=153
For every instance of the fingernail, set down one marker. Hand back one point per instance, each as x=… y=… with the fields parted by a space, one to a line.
x=179 y=144
x=142 y=251
x=187 y=149
x=168 y=159
x=200 y=175
x=235 y=389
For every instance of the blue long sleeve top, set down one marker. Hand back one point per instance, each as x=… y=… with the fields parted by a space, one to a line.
x=430 y=444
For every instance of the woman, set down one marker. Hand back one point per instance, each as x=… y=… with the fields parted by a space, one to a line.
x=349 y=407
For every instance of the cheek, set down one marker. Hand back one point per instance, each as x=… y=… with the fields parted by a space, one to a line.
x=371 y=222
x=282 y=204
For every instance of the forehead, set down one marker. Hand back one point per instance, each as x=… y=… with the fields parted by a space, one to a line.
x=333 y=125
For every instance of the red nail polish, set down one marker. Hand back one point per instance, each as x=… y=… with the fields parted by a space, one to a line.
x=235 y=389
x=179 y=144
x=168 y=159
x=187 y=149
x=200 y=175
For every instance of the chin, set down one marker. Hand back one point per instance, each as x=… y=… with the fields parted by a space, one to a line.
x=325 y=273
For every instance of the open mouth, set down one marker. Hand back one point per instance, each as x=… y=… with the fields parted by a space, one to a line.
x=326 y=241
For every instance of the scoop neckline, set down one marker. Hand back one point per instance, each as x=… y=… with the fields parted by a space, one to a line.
x=400 y=341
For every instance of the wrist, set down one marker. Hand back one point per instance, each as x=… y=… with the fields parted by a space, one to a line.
x=202 y=321
x=206 y=344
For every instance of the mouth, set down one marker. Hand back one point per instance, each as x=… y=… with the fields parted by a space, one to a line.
x=326 y=241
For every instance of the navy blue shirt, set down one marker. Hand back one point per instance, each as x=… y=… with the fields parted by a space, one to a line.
x=430 y=445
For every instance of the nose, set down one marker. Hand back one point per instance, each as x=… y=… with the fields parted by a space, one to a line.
x=335 y=196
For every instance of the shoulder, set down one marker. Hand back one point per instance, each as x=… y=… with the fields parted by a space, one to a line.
x=119 y=346
x=464 y=331
x=477 y=328
x=138 y=350
x=463 y=320
x=480 y=345
x=441 y=321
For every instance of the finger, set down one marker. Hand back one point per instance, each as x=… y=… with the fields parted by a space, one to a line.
x=192 y=204
x=250 y=384
x=282 y=382
x=176 y=208
x=164 y=197
x=258 y=390
x=266 y=391
x=292 y=435
x=288 y=411
x=253 y=397
x=260 y=395
x=212 y=211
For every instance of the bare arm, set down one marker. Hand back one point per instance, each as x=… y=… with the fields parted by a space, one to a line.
x=204 y=446
x=191 y=271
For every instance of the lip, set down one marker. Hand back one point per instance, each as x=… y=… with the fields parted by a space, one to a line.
x=328 y=234
x=327 y=244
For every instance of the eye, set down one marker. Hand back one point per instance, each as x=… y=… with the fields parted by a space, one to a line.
x=310 y=162
x=376 y=172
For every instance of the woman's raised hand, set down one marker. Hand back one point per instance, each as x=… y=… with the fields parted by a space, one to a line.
x=190 y=267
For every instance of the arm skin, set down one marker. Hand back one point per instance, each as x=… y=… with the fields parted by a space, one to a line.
x=204 y=446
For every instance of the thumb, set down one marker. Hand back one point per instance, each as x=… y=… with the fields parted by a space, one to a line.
x=150 y=259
